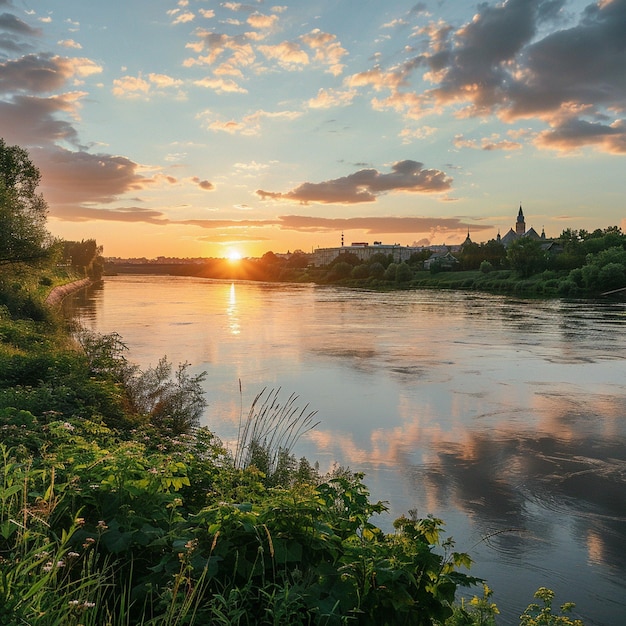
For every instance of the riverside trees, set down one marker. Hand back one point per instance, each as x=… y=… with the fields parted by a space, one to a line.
x=23 y=211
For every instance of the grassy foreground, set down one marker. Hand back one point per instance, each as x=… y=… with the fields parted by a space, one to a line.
x=116 y=508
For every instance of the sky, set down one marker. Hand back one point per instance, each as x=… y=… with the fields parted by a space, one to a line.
x=195 y=128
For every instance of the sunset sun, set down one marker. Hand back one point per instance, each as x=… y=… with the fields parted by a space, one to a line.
x=233 y=255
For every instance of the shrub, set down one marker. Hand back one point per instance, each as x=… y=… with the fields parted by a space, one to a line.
x=174 y=402
x=377 y=270
x=360 y=271
x=390 y=272
x=611 y=276
x=486 y=267
x=568 y=287
x=403 y=273
x=339 y=270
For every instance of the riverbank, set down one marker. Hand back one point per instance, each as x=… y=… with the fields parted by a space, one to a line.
x=58 y=293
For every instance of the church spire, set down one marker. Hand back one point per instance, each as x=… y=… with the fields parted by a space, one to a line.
x=520 y=225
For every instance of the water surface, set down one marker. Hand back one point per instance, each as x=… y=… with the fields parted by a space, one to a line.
x=504 y=417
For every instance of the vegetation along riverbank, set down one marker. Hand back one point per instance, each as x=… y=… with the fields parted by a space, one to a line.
x=117 y=508
x=577 y=264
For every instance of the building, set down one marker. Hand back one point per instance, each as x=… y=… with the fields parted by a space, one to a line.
x=364 y=251
x=520 y=231
x=445 y=260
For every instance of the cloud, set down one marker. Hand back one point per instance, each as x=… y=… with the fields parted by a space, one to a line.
x=138 y=87
x=493 y=142
x=582 y=65
x=184 y=18
x=410 y=134
x=258 y=20
x=204 y=184
x=42 y=73
x=502 y=64
x=431 y=226
x=379 y=225
x=249 y=125
x=220 y=85
x=69 y=43
x=82 y=177
x=12 y=24
x=130 y=87
x=78 y=213
x=227 y=223
x=395 y=23
x=30 y=120
x=366 y=185
x=288 y=54
x=233 y=54
x=328 y=98
x=327 y=50
x=574 y=133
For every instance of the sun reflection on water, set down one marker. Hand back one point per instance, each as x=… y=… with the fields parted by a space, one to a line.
x=232 y=311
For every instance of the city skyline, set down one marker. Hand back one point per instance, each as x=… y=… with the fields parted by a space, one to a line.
x=193 y=128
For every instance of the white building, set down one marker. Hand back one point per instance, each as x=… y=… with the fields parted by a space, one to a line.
x=365 y=251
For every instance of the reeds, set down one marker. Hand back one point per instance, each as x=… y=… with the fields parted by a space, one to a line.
x=271 y=429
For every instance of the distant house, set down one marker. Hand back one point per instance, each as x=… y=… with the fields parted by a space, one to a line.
x=445 y=260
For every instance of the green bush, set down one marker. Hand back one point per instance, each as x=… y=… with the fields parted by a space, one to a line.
x=360 y=271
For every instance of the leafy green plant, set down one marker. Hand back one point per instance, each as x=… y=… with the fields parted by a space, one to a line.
x=543 y=615
x=479 y=611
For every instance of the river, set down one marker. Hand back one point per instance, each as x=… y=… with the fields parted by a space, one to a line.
x=504 y=417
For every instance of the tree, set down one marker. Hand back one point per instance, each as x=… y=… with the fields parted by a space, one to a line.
x=526 y=256
x=390 y=272
x=360 y=271
x=85 y=255
x=403 y=273
x=377 y=270
x=23 y=211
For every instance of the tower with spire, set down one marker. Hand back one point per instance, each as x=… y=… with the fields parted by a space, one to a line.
x=520 y=225
x=520 y=231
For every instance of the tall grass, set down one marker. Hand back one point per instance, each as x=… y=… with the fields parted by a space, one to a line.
x=271 y=430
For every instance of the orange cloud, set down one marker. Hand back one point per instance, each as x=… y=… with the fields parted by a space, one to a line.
x=327 y=98
x=288 y=54
x=327 y=50
x=487 y=143
x=249 y=124
x=137 y=86
x=258 y=20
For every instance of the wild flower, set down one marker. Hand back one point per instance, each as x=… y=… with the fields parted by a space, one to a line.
x=78 y=606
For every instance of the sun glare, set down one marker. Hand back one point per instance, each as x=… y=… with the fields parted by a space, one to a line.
x=233 y=255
